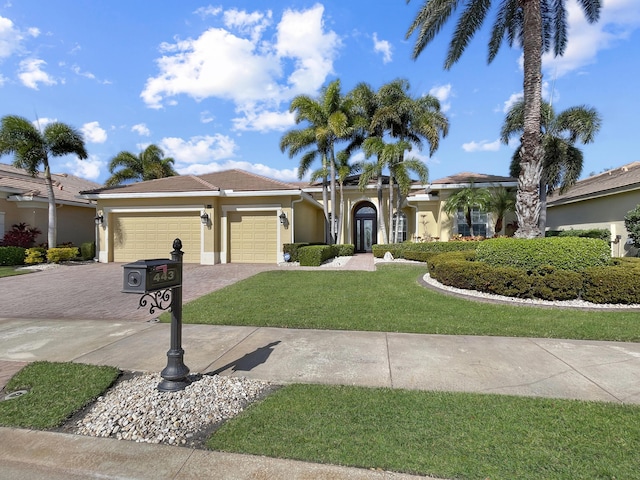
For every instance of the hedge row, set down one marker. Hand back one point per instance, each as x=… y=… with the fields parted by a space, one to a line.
x=421 y=251
x=600 y=233
x=12 y=255
x=612 y=284
x=20 y=255
x=564 y=253
x=314 y=255
x=293 y=249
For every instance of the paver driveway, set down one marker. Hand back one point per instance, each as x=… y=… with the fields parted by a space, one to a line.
x=92 y=291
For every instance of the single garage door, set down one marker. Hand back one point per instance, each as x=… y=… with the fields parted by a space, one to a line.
x=253 y=237
x=138 y=236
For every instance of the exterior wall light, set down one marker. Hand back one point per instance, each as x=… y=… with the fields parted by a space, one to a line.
x=99 y=219
x=204 y=218
x=283 y=218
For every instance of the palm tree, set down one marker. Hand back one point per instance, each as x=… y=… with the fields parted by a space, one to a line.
x=562 y=161
x=150 y=164
x=328 y=120
x=536 y=25
x=409 y=120
x=467 y=199
x=501 y=201
x=32 y=148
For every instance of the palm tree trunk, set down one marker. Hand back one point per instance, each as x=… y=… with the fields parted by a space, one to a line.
x=381 y=220
x=334 y=210
x=339 y=236
x=542 y=221
x=52 y=227
x=528 y=197
x=391 y=196
x=325 y=203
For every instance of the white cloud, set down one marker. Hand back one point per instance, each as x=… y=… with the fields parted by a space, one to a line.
x=89 y=168
x=77 y=71
x=250 y=62
x=383 y=47
x=618 y=19
x=206 y=117
x=285 y=175
x=200 y=149
x=481 y=146
x=93 y=132
x=511 y=101
x=443 y=93
x=141 y=129
x=33 y=32
x=208 y=11
x=31 y=73
x=10 y=38
x=264 y=121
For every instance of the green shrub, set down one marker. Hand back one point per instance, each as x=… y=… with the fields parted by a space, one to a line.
x=35 y=255
x=12 y=255
x=346 y=250
x=600 y=233
x=88 y=250
x=314 y=255
x=396 y=249
x=57 y=255
x=564 y=253
x=617 y=284
x=418 y=251
x=292 y=250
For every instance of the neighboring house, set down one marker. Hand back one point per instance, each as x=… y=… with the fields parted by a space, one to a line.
x=239 y=217
x=23 y=199
x=600 y=201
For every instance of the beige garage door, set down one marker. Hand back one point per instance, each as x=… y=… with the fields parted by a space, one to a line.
x=253 y=237
x=138 y=236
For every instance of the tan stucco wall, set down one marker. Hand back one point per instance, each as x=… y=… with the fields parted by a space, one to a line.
x=308 y=223
x=603 y=212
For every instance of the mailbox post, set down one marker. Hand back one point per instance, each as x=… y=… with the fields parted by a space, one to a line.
x=160 y=280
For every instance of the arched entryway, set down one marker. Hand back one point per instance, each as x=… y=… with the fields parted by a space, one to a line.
x=365 y=223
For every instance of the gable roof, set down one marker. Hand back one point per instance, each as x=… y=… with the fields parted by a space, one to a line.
x=613 y=181
x=227 y=181
x=23 y=187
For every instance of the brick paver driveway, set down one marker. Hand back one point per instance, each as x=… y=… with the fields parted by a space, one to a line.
x=92 y=291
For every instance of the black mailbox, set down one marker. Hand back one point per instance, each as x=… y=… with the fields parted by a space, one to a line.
x=150 y=275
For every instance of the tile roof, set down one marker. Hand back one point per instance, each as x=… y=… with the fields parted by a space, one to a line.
x=17 y=181
x=235 y=180
x=612 y=181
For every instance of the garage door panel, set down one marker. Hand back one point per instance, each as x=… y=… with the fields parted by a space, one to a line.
x=253 y=237
x=150 y=235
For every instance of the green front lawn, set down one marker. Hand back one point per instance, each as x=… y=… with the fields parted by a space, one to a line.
x=447 y=435
x=392 y=300
x=10 y=271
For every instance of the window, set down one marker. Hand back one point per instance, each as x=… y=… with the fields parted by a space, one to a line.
x=478 y=221
x=402 y=226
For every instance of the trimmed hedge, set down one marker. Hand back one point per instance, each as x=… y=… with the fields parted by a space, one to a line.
x=610 y=284
x=293 y=249
x=88 y=251
x=600 y=233
x=346 y=250
x=57 y=255
x=12 y=255
x=564 y=253
x=314 y=255
x=35 y=255
x=418 y=251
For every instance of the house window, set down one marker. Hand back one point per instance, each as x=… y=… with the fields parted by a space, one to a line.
x=401 y=220
x=478 y=220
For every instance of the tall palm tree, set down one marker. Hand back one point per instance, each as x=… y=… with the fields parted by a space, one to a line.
x=32 y=148
x=535 y=25
x=467 y=199
x=501 y=201
x=411 y=121
x=150 y=164
x=328 y=121
x=562 y=160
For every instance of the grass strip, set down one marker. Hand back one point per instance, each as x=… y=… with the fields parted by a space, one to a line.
x=448 y=435
x=11 y=271
x=391 y=300
x=55 y=392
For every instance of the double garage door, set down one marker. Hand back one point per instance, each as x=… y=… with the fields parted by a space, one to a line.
x=253 y=237
x=138 y=236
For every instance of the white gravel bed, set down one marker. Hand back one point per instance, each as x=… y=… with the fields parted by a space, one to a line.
x=135 y=410
x=335 y=262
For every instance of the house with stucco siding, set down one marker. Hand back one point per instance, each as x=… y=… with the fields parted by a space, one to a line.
x=600 y=201
x=236 y=216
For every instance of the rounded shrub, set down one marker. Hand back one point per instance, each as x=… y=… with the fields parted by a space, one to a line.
x=563 y=253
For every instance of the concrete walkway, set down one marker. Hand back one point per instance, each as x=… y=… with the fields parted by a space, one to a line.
x=587 y=370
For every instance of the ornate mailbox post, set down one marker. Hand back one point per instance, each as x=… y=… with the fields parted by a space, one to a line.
x=160 y=281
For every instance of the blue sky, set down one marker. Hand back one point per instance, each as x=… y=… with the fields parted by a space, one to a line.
x=211 y=83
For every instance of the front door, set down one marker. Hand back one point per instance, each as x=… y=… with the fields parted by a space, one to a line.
x=366 y=227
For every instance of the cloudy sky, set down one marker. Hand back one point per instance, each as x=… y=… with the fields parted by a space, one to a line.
x=211 y=84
